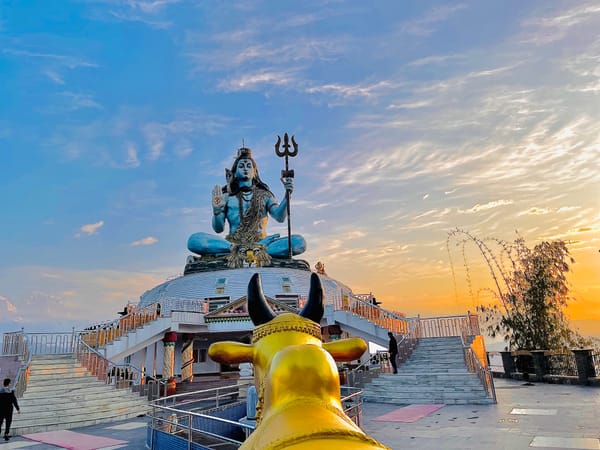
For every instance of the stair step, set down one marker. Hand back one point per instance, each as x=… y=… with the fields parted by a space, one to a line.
x=72 y=396
x=61 y=395
x=83 y=421
x=69 y=385
x=99 y=407
x=434 y=373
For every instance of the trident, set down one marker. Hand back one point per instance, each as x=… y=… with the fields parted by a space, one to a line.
x=287 y=173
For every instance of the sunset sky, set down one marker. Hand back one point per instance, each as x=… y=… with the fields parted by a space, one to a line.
x=414 y=118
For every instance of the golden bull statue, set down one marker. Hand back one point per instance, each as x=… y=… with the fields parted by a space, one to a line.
x=296 y=377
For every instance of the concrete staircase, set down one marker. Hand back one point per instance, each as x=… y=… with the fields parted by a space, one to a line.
x=61 y=395
x=136 y=339
x=435 y=373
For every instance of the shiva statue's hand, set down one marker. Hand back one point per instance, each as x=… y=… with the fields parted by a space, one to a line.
x=219 y=200
x=288 y=184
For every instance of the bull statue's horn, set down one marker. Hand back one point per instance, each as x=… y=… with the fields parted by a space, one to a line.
x=258 y=308
x=313 y=309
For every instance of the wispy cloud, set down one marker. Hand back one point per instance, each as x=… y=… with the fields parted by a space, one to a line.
x=128 y=16
x=536 y=211
x=563 y=209
x=485 y=206
x=51 y=65
x=146 y=241
x=54 y=76
x=80 y=101
x=555 y=27
x=147 y=6
x=257 y=80
x=132 y=155
x=89 y=229
x=435 y=59
x=355 y=90
x=152 y=13
x=6 y=306
x=426 y=24
x=68 y=61
x=130 y=137
x=411 y=105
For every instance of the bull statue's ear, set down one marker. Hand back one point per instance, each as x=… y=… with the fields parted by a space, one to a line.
x=259 y=310
x=313 y=309
x=346 y=350
x=229 y=352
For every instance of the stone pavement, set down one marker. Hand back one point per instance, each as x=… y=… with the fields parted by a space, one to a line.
x=538 y=416
x=543 y=416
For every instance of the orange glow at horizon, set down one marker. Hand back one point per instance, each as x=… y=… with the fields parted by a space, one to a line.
x=433 y=293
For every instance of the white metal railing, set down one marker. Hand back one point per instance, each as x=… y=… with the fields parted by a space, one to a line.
x=175 y=414
x=188 y=317
x=445 y=326
x=20 y=349
x=169 y=304
x=52 y=343
x=13 y=343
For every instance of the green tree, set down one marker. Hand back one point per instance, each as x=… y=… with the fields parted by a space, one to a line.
x=531 y=293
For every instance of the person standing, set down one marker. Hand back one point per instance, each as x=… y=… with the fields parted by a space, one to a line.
x=393 y=351
x=7 y=402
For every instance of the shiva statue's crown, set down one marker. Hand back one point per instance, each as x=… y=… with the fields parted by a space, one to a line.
x=287 y=322
x=244 y=152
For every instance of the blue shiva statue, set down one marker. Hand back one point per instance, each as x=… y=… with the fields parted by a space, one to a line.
x=245 y=203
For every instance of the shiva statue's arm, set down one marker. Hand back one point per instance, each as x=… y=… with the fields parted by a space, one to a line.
x=279 y=211
x=219 y=203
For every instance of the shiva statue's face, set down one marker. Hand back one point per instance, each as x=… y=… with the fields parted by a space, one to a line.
x=245 y=169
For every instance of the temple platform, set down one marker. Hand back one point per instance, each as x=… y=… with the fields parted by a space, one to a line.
x=526 y=416
x=197 y=264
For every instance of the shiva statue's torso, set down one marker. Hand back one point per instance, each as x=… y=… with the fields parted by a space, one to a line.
x=247 y=213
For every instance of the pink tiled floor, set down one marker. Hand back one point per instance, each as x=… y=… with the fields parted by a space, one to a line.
x=410 y=413
x=72 y=440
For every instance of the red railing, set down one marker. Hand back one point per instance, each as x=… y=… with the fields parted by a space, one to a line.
x=104 y=333
x=385 y=319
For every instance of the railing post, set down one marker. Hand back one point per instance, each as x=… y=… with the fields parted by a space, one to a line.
x=508 y=363
x=539 y=364
x=585 y=365
x=189 y=431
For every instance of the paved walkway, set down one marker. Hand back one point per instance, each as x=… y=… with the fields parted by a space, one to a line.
x=539 y=416
x=545 y=416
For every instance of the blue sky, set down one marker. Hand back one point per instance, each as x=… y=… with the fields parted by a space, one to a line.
x=413 y=118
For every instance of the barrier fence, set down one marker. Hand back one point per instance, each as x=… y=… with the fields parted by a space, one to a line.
x=215 y=418
x=580 y=366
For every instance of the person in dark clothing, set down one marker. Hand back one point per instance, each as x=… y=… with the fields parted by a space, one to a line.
x=393 y=351
x=7 y=401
